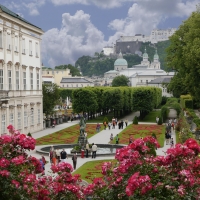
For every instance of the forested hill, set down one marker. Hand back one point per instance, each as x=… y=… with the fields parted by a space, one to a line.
x=99 y=64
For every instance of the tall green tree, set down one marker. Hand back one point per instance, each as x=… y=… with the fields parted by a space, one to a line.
x=183 y=55
x=120 y=81
x=84 y=100
x=51 y=97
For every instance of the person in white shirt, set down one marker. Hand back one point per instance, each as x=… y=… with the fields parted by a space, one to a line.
x=94 y=150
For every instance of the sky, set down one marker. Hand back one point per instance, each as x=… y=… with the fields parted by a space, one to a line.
x=73 y=28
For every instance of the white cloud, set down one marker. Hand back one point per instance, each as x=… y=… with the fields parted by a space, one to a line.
x=146 y=15
x=77 y=37
x=33 y=6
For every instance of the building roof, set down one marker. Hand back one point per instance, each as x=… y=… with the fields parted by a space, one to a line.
x=112 y=72
x=161 y=80
x=74 y=80
x=9 y=12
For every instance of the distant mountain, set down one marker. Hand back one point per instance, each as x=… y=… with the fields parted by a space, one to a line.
x=99 y=64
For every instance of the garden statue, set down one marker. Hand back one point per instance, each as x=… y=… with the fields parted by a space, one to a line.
x=82 y=124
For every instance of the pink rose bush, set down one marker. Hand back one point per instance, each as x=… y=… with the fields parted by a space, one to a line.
x=137 y=174
x=18 y=173
x=140 y=175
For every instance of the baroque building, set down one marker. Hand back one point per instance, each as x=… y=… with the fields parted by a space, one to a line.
x=20 y=73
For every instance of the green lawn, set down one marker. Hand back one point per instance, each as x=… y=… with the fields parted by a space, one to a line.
x=91 y=170
x=67 y=136
x=142 y=130
x=151 y=117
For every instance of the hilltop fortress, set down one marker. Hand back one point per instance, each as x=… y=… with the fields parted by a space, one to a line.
x=131 y=44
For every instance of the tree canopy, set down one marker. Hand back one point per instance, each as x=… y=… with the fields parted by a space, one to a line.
x=120 y=81
x=183 y=56
x=73 y=70
x=50 y=97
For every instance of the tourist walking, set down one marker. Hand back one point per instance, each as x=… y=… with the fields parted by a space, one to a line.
x=157 y=119
x=104 y=123
x=87 y=148
x=58 y=155
x=126 y=122
x=113 y=123
x=122 y=124
x=111 y=138
x=74 y=159
x=172 y=143
x=94 y=150
x=117 y=139
x=109 y=125
x=63 y=156
x=98 y=127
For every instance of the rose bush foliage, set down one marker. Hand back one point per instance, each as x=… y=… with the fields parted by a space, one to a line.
x=18 y=173
x=140 y=175
x=137 y=175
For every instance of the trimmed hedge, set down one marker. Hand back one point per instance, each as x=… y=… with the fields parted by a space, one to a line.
x=186 y=98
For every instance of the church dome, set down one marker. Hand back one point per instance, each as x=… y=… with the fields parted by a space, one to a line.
x=120 y=61
x=145 y=55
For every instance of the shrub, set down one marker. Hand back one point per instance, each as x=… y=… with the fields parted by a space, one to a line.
x=189 y=103
x=164 y=112
x=29 y=134
x=105 y=120
x=197 y=121
x=135 y=120
x=164 y=100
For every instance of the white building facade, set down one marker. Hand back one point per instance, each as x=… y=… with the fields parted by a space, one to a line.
x=20 y=74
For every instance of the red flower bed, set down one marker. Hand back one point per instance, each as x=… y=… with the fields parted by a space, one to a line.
x=140 y=130
x=66 y=136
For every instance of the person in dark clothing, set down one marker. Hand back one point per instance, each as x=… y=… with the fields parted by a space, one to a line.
x=63 y=155
x=74 y=159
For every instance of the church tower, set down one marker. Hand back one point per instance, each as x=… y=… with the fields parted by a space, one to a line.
x=145 y=60
x=156 y=63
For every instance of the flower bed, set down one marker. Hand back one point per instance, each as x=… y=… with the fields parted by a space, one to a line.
x=66 y=136
x=142 y=130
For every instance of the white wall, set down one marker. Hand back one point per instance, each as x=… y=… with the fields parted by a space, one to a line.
x=18 y=56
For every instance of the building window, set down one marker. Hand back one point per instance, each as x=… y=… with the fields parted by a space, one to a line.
x=25 y=119
x=12 y=118
x=3 y=123
x=24 y=80
x=23 y=46
x=141 y=81
x=67 y=85
x=17 y=80
x=16 y=43
x=36 y=50
x=9 y=41
x=38 y=116
x=30 y=48
x=76 y=85
x=32 y=117
x=19 y=120
x=1 y=39
x=1 y=79
x=146 y=81
x=9 y=79
x=31 y=80
x=38 y=81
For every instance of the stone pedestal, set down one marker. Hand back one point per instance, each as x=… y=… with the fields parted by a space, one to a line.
x=82 y=141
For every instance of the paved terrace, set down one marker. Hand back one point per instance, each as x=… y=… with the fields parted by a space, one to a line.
x=102 y=137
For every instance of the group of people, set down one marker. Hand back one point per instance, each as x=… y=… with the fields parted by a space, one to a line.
x=93 y=150
x=57 y=156
x=116 y=138
x=113 y=124
x=168 y=133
